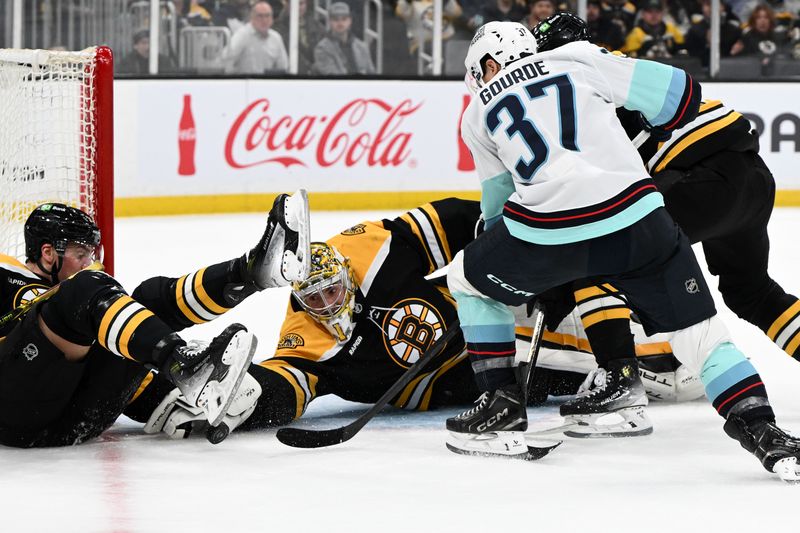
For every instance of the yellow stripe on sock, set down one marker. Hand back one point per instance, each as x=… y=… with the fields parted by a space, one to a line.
x=605 y=314
x=203 y=296
x=782 y=320
x=127 y=332
x=142 y=386
x=188 y=313
x=108 y=318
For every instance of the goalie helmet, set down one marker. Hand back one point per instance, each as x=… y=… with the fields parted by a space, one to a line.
x=329 y=292
x=558 y=30
x=505 y=42
x=58 y=225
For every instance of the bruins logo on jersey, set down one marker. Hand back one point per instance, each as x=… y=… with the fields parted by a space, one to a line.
x=28 y=293
x=411 y=326
x=358 y=229
x=291 y=340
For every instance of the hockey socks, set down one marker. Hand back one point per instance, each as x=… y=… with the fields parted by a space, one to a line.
x=606 y=320
x=733 y=385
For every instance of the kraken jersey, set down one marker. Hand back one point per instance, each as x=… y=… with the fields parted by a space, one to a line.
x=18 y=287
x=550 y=154
x=398 y=314
x=715 y=128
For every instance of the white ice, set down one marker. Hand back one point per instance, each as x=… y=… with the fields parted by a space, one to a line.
x=396 y=475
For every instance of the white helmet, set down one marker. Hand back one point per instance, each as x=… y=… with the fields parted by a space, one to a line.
x=505 y=42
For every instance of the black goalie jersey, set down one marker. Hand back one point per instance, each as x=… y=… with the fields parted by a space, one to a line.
x=18 y=287
x=398 y=315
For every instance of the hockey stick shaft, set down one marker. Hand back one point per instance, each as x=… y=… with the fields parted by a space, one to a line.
x=310 y=438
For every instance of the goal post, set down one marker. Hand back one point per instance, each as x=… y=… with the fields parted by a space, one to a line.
x=57 y=139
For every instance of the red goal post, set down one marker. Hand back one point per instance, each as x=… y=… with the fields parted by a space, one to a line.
x=57 y=139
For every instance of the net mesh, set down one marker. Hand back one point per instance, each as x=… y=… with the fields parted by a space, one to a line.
x=48 y=139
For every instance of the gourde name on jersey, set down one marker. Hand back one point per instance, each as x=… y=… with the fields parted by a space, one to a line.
x=552 y=157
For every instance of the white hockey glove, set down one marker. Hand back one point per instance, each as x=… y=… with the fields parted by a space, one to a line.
x=178 y=419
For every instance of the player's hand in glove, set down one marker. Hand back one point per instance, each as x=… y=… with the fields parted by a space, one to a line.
x=656 y=132
x=178 y=419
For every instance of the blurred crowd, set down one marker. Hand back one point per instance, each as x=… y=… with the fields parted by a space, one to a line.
x=332 y=40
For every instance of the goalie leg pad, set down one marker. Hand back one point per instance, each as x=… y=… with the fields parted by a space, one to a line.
x=627 y=422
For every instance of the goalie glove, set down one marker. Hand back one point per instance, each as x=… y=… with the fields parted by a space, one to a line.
x=178 y=419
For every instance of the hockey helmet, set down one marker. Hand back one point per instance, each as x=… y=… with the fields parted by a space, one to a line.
x=58 y=225
x=505 y=42
x=558 y=30
x=328 y=294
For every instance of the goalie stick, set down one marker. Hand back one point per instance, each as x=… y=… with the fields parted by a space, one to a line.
x=311 y=438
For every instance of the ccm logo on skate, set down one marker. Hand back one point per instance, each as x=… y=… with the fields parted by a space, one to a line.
x=506 y=286
x=492 y=420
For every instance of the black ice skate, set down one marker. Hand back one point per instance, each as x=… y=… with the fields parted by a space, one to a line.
x=208 y=376
x=778 y=451
x=494 y=427
x=611 y=403
x=283 y=253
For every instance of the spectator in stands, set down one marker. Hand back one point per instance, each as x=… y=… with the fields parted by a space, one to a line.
x=232 y=13
x=503 y=10
x=621 y=13
x=698 y=39
x=418 y=16
x=310 y=31
x=652 y=37
x=192 y=12
x=538 y=10
x=602 y=31
x=256 y=48
x=786 y=12
x=762 y=37
x=138 y=61
x=340 y=53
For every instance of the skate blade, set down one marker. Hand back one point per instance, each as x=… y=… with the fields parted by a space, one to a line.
x=504 y=445
x=532 y=454
x=787 y=470
x=626 y=422
x=242 y=343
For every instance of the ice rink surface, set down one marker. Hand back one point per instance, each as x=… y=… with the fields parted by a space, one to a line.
x=396 y=475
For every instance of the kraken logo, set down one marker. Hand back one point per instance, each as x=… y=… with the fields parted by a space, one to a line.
x=411 y=326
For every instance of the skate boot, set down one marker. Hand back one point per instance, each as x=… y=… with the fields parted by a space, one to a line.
x=778 y=451
x=282 y=254
x=610 y=403
x=494 y=427
x=208 y=375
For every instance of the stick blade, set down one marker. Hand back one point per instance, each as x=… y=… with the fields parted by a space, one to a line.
x=304 y=438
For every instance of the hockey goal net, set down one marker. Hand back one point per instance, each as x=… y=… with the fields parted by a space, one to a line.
x=56 y=141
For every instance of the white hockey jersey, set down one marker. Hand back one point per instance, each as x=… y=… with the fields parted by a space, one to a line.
x=552 y=157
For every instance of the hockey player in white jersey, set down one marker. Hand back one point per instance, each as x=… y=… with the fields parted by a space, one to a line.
x=566 y=197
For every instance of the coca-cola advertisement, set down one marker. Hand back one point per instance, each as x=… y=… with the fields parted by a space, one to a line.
x=239 y=137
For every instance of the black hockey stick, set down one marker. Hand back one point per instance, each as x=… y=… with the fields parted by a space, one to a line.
x=318 y=438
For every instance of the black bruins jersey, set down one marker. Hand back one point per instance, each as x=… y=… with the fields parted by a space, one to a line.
x=715 y=128
x=18 y=287
x=398 y=315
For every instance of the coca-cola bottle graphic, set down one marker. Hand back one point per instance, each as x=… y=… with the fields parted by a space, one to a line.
x=465 y=161
x=186 y=139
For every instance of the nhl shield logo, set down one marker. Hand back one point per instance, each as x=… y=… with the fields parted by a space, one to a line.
x=691 y=286
x=30 y=352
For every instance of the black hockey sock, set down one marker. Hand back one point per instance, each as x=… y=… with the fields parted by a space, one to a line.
x=783 y=327
x=611 y=340
x=493 y=364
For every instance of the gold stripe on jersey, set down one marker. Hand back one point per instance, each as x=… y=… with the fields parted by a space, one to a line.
x=427 y=227
x=712 y=125
x=205 y=299
x=440 y=232
x=301 y=336
x=130 y=328
x=304 y=385
x=108 y=317
x=426 y=398
x=564 y=341
x=7 y=260
x=415 y=229
x=142 y=386
x=366 y=250
x=181 y=301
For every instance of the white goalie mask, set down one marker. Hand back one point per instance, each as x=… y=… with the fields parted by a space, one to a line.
x=329 y=292
x=505 y=42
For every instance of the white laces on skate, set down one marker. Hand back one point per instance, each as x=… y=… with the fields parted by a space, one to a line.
x=479 y=403
x=594 y=382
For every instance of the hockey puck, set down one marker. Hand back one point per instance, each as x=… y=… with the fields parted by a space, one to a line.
x=217 y=434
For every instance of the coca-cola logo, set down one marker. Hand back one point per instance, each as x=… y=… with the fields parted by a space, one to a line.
x=363 y=131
